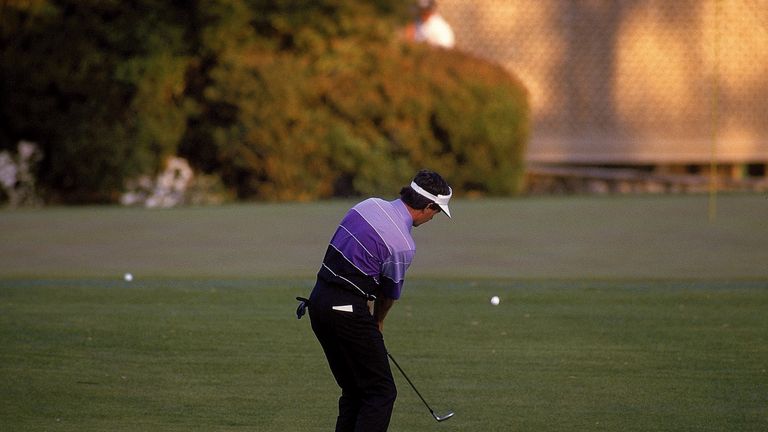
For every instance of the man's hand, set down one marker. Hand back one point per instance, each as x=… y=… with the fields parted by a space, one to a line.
x=380 y=309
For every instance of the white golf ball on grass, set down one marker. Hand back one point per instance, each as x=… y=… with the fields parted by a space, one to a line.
x=128 y=277
x=495 y=300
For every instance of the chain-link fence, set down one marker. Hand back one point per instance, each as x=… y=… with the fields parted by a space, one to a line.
x=631 y=82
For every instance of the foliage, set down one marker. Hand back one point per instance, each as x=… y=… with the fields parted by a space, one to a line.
x=99 y=85
x=282 y=102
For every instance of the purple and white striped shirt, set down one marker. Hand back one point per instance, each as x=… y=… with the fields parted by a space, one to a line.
x=372 y=248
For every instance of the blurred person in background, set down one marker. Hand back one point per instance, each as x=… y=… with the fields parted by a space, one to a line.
x=430 y=26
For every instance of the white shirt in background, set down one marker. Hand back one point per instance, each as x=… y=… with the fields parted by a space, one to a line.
x=435 y=31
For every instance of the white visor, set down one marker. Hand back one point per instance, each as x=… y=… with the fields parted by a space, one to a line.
x=440 y=200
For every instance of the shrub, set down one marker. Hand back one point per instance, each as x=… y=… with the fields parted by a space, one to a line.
x=355 y=114
x=280 y=99
x=99 y=85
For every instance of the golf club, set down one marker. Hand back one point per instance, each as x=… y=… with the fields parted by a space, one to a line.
x=448 y=415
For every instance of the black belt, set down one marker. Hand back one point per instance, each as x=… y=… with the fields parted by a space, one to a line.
x=304 y=302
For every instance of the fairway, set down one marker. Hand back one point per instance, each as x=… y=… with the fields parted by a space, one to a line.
x=177 y=355
x=630 y=314
x=574 y=237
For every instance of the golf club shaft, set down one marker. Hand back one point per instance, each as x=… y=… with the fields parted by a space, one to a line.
x=412 y=386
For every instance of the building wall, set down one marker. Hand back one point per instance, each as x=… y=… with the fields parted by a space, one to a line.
x=631 y=81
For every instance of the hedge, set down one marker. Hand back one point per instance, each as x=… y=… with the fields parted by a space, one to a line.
x=281 y=102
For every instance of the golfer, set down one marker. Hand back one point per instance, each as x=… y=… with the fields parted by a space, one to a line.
x=366 y=261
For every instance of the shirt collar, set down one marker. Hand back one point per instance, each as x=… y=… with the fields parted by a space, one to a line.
x=399 y=205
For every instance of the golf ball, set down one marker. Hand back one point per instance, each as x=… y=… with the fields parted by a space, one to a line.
x=128 y=277
x=495 y=300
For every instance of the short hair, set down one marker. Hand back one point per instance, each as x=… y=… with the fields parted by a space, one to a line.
x=428 y=180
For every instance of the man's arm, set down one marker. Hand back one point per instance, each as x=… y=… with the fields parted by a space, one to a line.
x=381 y=307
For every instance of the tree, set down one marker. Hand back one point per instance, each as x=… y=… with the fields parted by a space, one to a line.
x=281 y=99
x=99 y=85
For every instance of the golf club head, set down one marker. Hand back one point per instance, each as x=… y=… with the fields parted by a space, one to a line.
x=442 y=417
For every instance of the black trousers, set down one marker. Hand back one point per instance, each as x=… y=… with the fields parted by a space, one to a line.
x=355 y=350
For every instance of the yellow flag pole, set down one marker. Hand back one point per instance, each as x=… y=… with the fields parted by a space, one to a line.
x=715 y=89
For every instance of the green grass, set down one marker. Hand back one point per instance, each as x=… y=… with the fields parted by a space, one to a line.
x=176 y=355
x=631 y=314
x=577 y=237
